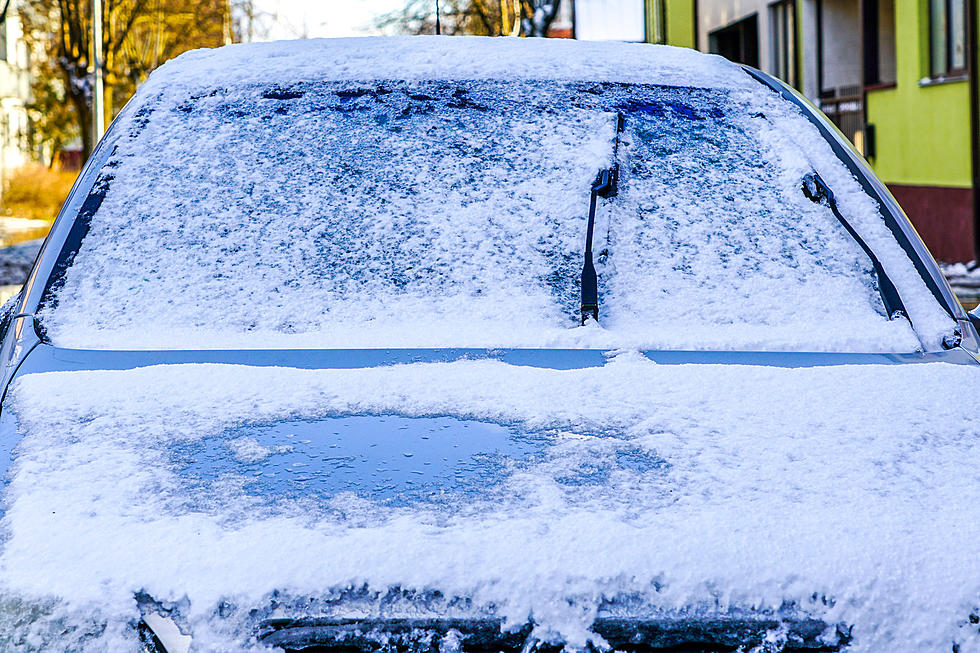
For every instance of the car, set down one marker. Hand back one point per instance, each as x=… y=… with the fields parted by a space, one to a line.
x=472 y=344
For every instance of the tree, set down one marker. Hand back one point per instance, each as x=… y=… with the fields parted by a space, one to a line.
x=248 y=23
x=537 y=16
x=138 y=35
x=482 y=17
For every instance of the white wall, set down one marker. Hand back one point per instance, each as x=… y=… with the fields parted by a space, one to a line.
x=609 y=20
x=14 y=95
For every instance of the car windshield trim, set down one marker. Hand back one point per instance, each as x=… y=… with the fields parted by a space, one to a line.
x=45 y=357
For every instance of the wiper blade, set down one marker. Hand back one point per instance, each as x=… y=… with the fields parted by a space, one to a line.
x=817 y=191
x=604 y=186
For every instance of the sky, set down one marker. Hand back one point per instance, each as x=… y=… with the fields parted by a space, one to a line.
x=326 y=18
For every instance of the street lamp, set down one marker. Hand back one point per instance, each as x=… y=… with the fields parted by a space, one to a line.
x=98 y=98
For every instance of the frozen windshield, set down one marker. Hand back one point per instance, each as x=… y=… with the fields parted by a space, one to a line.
x=421 y=214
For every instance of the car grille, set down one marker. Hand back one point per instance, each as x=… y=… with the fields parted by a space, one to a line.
x=687 y=635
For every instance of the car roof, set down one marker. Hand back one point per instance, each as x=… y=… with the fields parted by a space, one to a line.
x=448 y=58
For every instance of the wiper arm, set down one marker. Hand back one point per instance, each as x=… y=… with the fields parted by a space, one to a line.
x=817 y=191
x=604 y=186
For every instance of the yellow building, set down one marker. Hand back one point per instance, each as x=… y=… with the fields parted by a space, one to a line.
x=893 y=75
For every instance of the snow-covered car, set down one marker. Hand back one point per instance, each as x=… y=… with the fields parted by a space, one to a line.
x=460 y=344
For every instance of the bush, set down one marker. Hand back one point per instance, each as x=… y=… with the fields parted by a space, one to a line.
x=35 y=191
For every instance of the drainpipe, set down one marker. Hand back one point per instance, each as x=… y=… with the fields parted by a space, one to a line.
x=974 y=72
x=697 y=25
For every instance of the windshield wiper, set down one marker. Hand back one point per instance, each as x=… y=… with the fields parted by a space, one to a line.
x=604 y=186
x=817 y=191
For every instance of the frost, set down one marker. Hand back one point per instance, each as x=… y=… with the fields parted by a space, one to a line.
x=376 y=214
x=248 y=449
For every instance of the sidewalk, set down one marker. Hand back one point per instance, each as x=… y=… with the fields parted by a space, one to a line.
x=15 y=265
x=965 y=280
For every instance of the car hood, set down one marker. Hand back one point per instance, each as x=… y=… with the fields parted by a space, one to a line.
x=844 y=493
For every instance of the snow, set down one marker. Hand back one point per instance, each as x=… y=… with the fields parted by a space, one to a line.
x=963 y=275
x=849 y=493
x=446 y=57
x=247 y=449
x=449 y=213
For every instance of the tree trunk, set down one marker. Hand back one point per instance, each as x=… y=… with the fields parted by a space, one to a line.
x=538 y=16
x=80 y=100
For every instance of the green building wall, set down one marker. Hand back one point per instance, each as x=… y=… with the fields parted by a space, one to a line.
x=680 y=21
x=681 y=29
x=922 y=129
x=922 y=147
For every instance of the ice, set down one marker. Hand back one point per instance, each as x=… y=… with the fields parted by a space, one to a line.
x=848 y=492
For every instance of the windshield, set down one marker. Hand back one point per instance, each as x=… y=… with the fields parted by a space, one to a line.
x=438 y=214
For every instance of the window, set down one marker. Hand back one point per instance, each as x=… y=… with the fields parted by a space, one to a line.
x=3 y=41
x=878 y=25
x=947 y=37
x=782 y=21
x=738 y=42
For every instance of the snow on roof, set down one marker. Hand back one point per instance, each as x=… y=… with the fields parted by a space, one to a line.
x=848 y=492
x=448 y=58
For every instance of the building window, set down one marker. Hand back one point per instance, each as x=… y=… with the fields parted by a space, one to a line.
x=3 y=41
x=656 y=21
x=782 y=22
x=738 y=42
x=947 y=37
x=878 y=26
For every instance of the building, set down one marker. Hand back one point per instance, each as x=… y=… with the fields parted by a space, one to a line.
x=921 y=134
x=893 y=75
x=15 y=93
x=652 y=21
x=671 y=22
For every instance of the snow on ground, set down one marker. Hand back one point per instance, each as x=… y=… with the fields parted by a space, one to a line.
x=963 y=275
x=851 y=491
x=315 y=198
x=16 y=261
x=964 y=279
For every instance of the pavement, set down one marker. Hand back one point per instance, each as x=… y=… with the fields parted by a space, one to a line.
x=964 y=278
x=15 y=265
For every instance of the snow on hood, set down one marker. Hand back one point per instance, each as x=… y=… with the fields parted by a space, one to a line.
x=449 y=58
x=849 y=491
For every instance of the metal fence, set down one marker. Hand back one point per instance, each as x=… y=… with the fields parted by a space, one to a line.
x=845 y=108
